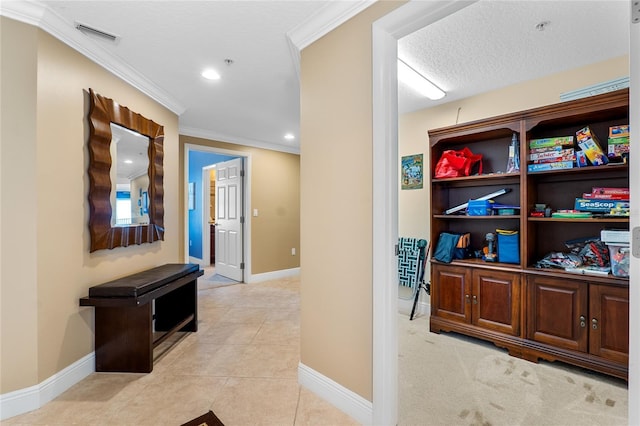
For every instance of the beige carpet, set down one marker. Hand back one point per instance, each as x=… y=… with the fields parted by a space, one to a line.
x=449 y=379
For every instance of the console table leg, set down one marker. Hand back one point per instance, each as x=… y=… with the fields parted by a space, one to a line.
x=124 y=339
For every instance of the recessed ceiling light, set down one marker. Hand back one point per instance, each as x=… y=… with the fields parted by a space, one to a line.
x=211 y=74
x=289 y=136
x=128 y=162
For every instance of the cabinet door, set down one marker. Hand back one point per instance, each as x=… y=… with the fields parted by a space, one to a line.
x=451 y=292
x=558 y=312
x=609 y=322
x=495 y=301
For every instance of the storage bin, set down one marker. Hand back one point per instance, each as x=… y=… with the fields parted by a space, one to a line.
x=479 y=208
x=615 y=236
x=619 y=255
x=508 y=246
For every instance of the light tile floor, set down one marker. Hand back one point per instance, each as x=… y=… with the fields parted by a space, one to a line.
x=242 y=364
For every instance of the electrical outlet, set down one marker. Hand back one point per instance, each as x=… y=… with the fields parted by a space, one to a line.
x=293 y=251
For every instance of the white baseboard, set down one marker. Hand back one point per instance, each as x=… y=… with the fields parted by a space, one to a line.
x=274 y=275
x=198 y=261
x=405 y=306
x=342 y=398
x=34 y=397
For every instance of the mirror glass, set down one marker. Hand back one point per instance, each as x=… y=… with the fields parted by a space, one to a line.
x=129 y=177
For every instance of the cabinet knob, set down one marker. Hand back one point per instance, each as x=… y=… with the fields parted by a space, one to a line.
x=475 y=300
x=466 y=296
x=583 y=321
x=594 y=324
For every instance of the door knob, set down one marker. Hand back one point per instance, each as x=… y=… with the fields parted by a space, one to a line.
x=583 y=321
x=475 y=300
x=594 y=324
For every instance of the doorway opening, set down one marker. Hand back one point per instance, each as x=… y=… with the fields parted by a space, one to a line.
x=386 y=32
x=200 y=216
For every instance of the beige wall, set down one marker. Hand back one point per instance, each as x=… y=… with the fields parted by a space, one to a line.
x=336 y=186
x=413 y=127
x=18 y=231
x=336 y=203
x=275 y=192
x=46 y=265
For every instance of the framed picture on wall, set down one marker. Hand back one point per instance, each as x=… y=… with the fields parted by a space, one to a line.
x=412 y=171
x=192 y=196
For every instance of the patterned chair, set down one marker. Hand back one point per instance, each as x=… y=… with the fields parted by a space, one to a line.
x=412 y=258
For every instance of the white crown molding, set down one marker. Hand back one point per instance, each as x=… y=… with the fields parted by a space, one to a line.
x=39 y=15
x=295 y=55
x=214 y=136
x=320 y=23
x=24 y=11
x=329 y=17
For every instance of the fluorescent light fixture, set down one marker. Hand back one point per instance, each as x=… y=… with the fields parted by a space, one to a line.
x=211 y=74
x=289 y=136
x=418 y=82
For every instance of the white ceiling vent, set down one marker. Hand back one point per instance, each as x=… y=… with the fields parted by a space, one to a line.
x=96 y=32
x=596 y=89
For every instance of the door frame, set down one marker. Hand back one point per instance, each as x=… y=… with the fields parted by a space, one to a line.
x=246 y=237
x=385 y=34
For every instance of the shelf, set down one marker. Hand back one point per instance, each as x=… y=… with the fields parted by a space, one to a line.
x=610 y=279
x=577 y=171
x=487 y=179
x=479 y=263
x=580 y=220
x=458 y=216
x=532 y=306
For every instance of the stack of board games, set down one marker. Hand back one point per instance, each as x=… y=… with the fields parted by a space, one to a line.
x=590 y=146
x=608 y=201
x=618 y=143
x=551 y=154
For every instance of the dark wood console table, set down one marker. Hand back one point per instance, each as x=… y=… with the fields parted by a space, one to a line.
x=136 y=313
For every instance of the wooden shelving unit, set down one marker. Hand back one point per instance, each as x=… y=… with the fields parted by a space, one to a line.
x=534 y=313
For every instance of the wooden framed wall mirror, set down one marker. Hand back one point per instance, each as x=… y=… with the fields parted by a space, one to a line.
x=117 y=134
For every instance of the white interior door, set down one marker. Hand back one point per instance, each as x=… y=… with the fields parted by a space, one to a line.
x=229 y=219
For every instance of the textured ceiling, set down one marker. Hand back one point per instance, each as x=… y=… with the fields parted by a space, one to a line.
x=166 y=44
x=493 y=44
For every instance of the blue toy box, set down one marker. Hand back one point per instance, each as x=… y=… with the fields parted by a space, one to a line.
x=480 y=208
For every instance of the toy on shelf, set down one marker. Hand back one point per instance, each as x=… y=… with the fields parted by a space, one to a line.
x=489 y=251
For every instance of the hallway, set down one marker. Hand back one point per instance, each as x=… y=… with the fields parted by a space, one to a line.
x=242 y=363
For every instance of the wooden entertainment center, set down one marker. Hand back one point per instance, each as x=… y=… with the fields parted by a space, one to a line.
x=534 y=313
